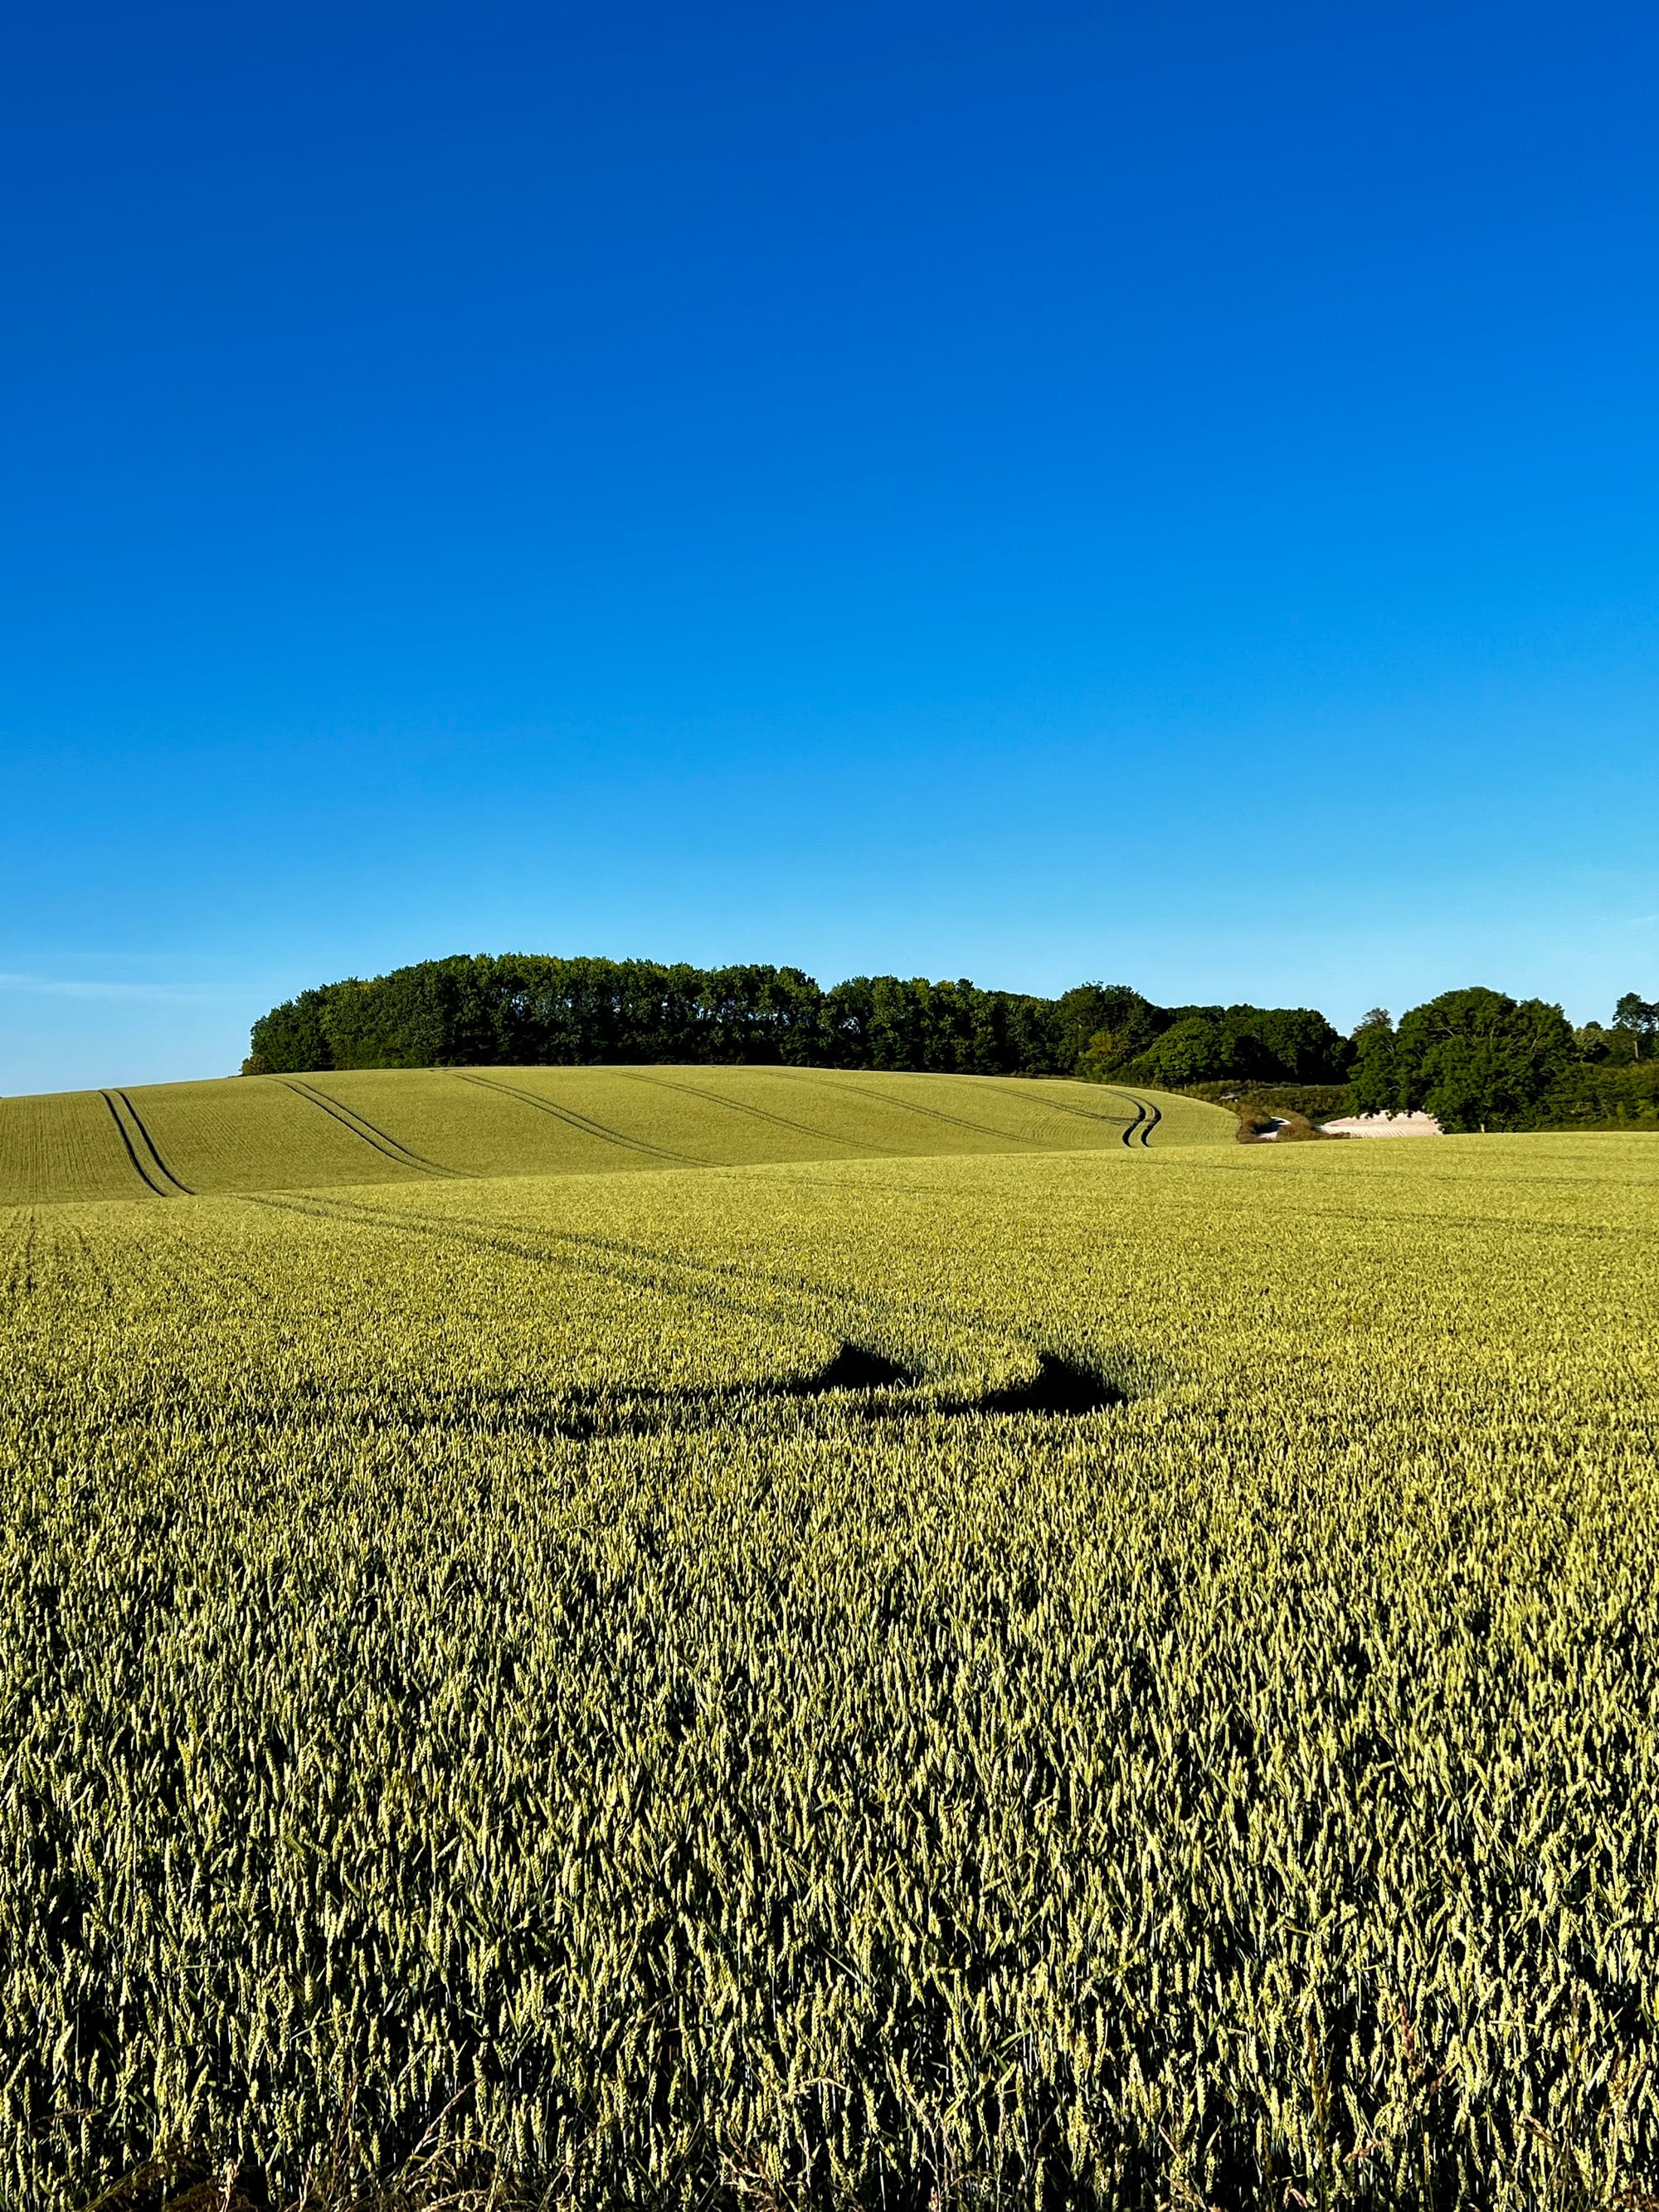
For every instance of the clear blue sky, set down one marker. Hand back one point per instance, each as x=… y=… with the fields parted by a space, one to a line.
x=1031 y=492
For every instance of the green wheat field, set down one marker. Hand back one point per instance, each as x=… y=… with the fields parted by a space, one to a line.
x=700 y=1637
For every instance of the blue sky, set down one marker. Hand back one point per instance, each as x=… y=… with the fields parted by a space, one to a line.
x=1033 y=492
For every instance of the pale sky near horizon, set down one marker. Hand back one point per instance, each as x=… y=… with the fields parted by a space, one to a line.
x=1036 y=494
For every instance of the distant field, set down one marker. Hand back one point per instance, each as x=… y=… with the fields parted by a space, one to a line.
x=285 y=1132
x=1034 y=1672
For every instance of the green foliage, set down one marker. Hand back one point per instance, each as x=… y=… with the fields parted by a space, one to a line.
x=1597 y=1045
x=1120 y=1026
x=1608 y=1094
x=457 y=1664
x=531 y=1010
x=296 y=1035
x=1374 y=1078
x=1251 y=1044
x=1475 y=1058
x=1318 y=1101
x=1639 y=1018
x=1296 y=1044
x=528 y=1010
x=1090 y=1010
x=1194 y=1050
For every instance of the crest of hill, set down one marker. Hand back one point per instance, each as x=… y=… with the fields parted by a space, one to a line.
x=374 y=1126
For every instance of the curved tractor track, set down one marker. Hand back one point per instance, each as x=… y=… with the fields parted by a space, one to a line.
x=1146 y=1120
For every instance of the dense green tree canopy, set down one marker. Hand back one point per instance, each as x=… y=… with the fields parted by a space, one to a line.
x=1474 y=1059
x=1374 y=1076
x=532 y=1009
x=1216 y=1044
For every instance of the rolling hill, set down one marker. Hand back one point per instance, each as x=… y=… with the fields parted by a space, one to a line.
x=293 y=1132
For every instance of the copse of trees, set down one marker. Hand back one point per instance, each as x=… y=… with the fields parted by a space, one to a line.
x=527 y=1010
x=1474 y=1059
x=1477 y=1060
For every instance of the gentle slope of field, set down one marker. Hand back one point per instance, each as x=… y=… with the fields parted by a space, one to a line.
x=676 y=1672
x=286 y=1133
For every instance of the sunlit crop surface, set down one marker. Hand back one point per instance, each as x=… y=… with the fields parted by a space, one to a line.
x=658 y=1668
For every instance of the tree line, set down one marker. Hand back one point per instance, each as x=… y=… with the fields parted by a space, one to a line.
x=528 y=1010
x=1473 y=1058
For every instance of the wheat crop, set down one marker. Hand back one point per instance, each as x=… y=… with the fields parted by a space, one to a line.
x=307 y=1132
x=1092 y=1678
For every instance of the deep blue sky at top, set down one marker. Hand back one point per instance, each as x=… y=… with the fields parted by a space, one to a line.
x=1032 y=492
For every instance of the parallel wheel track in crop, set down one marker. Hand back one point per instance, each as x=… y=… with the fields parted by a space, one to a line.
x=737 y=1106
x=930 y=1113
x=584 y=1124
x=141 y=1145
x=387 y=1146
x=1146 y=1120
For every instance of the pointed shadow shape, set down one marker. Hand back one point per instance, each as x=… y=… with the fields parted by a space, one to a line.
x=1059 y=1386
x=853 y=1368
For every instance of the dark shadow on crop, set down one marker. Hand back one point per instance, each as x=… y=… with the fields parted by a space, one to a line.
x=854 y=1384
x=1059 y=1386
x=854 y=1367
x=863 y=1384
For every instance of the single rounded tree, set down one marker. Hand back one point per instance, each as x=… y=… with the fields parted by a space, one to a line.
x=1477 y=1060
